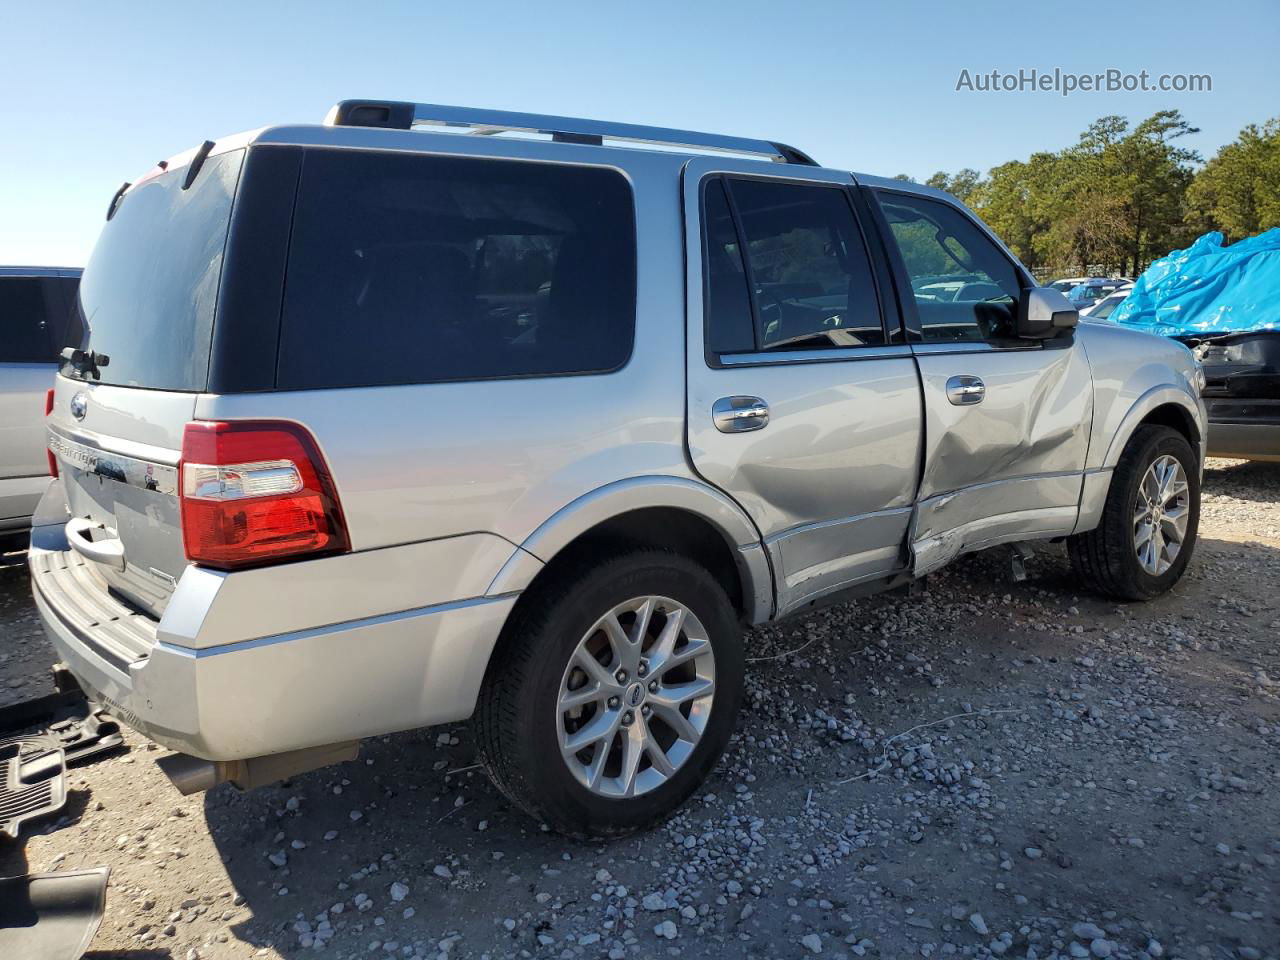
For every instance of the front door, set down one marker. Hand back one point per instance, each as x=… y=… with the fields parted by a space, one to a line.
x=1007 y=420
x=803 y=404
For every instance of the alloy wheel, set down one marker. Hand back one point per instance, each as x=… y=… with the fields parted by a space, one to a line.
x=635 y=697
x=1161 y=512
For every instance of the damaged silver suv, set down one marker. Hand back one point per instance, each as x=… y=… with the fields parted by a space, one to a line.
x=377 y=425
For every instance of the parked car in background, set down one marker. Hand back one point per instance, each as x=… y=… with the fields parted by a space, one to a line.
x=1102 y=309
x=1085 y=294
x=1221 y=301
x=35 y=304
x=1241 y=392
x=1066 y=284
x=527 y=430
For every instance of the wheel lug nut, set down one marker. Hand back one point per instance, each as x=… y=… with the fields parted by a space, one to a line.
x=614 y=703
x=653 y=686
x=646 y=710
x=642 y=669
x=628 y=718
x=621 y=676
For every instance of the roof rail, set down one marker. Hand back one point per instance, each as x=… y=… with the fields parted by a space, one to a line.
x=402 y=115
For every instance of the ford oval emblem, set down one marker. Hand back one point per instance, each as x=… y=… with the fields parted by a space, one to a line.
x=79 y=405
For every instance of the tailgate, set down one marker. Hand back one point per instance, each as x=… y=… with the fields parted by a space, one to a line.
x=118 y=450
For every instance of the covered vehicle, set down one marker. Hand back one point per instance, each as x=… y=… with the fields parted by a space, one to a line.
x=1224 y=303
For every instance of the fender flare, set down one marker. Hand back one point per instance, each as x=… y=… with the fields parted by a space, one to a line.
x=1157 y=396
x=637 y=493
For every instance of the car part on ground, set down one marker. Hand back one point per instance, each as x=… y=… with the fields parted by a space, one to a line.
x=32 y=780
x=51 y=916
x=436 y=465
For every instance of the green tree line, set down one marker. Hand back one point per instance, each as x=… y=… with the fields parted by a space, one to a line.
x=1123 y=196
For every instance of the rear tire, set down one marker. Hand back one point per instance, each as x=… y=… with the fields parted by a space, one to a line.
x=524 y=729
x=1114 y=559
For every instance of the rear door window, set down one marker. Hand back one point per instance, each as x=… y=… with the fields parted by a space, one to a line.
x=34 y=318
x=417 y=269
x=806 y=264
x=29 y=327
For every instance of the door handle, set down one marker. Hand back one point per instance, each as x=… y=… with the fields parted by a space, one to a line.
x=964 y=391
x=740 y=414
x=109 y=552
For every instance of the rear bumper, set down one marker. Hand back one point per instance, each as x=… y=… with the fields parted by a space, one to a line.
x=1245 y=441
x=271 y=693
x=1244 y=428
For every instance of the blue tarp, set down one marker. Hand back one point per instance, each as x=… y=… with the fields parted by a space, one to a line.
x=1209 y=288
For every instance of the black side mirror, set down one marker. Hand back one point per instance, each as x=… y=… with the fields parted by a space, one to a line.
x=1044 y=312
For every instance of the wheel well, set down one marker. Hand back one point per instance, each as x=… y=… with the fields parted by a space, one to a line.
x=1172 y=415
x=667 y=528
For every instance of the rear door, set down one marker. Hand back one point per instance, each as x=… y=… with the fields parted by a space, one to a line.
x=146 y=310
x=1006 y=420
x=803 y=401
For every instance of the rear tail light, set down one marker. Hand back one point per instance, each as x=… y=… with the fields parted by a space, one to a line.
x=53 y=461
x=254 y=492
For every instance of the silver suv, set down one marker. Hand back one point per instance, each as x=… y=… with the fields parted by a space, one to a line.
x=376 y=427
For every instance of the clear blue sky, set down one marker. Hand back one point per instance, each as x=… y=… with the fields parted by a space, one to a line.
x=94 y=93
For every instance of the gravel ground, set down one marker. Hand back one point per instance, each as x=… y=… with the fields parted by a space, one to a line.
x=983 y=768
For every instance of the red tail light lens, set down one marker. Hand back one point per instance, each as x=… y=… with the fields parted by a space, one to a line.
x=254 y=492
x=53 y=461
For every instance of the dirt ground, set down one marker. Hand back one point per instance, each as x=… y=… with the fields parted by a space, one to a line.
x=984 y=768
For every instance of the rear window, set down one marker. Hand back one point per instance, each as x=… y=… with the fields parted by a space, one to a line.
x=148 y=294
x=413 y=269
x=33 y=318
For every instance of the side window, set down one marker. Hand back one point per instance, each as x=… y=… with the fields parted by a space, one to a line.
x=28 y=331
x=806 y=268
x=728 y=309
x=413 y=269
x=965 y=287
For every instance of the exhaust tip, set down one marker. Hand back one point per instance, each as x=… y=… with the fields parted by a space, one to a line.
x=191 y=774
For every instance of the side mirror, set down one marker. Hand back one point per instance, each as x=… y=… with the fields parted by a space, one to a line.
x=1044 y=312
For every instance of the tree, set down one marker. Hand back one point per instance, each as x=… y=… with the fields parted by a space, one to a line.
x=961 y=186
x=1238 y=190
x=1121 y=196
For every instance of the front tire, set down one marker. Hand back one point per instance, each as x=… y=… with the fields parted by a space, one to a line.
x=613 y=692
x=1144 y=542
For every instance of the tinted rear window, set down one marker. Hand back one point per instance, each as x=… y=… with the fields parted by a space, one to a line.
x=413 y=269
x=33 y=318
x=148 y=295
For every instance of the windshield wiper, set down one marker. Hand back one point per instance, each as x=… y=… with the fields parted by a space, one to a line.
x=85 y=362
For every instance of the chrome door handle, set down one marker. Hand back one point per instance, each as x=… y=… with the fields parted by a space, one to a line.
x=963 y=391
x=740 y=414
x=109 y=551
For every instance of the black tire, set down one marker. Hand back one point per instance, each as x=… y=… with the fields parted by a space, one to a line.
x=1104 y=558
x=515 y=719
